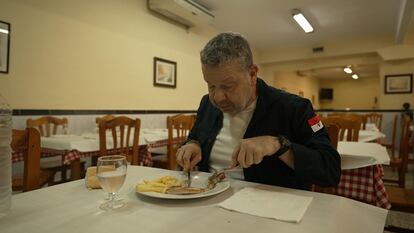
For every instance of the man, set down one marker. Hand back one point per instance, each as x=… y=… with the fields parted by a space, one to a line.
x=274 y=136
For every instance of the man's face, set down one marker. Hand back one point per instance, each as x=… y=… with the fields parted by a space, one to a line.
x=231 y=88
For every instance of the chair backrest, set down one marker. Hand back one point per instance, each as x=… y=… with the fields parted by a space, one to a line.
x=44 y=125
x=333 y=132
x=375 y=118
x=351 y=116
x=178 y=127
x=28 y=142
x=121 y=129
x=348 y=126
x=104 y=118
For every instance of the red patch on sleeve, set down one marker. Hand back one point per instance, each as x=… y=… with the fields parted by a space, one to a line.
x=314 y=120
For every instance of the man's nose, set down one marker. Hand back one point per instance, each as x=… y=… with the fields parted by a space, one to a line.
x=219 y=96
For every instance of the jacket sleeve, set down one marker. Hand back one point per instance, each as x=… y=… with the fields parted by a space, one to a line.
x=315 y=160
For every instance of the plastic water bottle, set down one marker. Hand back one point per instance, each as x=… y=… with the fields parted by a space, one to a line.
x=5 y=157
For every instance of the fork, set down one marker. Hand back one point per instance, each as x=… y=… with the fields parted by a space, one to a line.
x=188 y=178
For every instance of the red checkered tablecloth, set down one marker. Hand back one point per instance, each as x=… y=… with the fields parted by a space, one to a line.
x=364 y=184
x=144 y=154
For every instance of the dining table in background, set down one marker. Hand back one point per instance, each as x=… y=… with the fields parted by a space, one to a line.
x=71 y=207
x=75 y=147
x=362 y=172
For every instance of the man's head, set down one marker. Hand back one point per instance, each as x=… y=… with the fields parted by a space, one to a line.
x=228 y=69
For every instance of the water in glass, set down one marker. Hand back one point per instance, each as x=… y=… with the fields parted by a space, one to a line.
x=111 y=172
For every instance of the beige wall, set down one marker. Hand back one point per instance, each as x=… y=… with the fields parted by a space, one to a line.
x=291 y=82
x=97 y=55
x=395 y=100
x=350 y=93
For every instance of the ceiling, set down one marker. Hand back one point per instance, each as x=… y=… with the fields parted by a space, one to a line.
x=268 y=24
x=364 y=71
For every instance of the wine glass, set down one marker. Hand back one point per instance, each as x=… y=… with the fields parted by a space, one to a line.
x=111 y=173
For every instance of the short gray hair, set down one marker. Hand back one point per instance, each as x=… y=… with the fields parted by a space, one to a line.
x=225 y=48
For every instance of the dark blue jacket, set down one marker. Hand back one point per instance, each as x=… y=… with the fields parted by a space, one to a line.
x=277 y=113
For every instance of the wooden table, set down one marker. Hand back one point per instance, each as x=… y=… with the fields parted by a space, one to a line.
x=70 y=207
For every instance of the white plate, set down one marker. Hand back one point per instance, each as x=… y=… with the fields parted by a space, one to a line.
x=198 y=180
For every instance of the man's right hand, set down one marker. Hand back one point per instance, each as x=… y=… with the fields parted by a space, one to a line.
x=188 y=155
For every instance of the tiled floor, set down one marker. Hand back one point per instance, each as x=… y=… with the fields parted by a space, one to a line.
x=395 y=218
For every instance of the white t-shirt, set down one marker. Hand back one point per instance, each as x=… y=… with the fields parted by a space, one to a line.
x=228 y=138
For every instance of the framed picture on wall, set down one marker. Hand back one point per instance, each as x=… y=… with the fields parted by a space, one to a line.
x=4 y=47
x=398 y=83
x=165 y=73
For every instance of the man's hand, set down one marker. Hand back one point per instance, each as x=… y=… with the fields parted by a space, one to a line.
x=252 y=150
x=188 y=155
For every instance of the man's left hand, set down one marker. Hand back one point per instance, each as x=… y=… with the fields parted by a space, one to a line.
x=252 y=150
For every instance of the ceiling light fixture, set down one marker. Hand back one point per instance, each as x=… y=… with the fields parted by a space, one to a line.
x=301 y=20
x=348 y=70
x=355 y=76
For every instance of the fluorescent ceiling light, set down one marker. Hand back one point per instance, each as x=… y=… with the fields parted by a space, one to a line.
x=302 y=21
x=348 y=70
x=4 y=31
x=355 y=76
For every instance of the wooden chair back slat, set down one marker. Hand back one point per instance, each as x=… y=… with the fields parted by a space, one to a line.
x=121 y=142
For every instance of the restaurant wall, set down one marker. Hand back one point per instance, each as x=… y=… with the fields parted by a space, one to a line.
x=395 y=101
x=97 y=55
x=293 y=83
x=350 y=93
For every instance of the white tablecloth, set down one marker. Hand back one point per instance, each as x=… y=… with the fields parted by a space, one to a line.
x=369 y=134
x=90 y=141
x=362 y=154
x=70 y=207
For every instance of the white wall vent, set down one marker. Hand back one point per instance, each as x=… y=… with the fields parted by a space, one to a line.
x=186 y=12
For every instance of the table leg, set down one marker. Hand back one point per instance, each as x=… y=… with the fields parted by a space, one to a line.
x=75 y=173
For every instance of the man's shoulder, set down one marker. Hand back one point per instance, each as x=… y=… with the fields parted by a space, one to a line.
x=277 y=96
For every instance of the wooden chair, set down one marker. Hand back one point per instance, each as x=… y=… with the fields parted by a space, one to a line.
x=121 y=128
x=28 y=142
x=180 y=125
x=48 y=126
x=391 y=145
x=375 y=118
x=44 y=124
x=333 y=133
x=346 y=125
x=401 y=199
x=401 y=162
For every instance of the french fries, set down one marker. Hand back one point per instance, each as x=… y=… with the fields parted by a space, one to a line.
x=159 y=185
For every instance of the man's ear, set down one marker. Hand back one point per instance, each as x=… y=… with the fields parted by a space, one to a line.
x=253 y=73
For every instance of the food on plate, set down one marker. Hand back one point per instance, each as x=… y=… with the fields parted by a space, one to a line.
x=171 y=185
x=159 y=185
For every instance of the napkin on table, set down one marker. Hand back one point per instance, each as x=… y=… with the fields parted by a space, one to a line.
x=268 y=204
